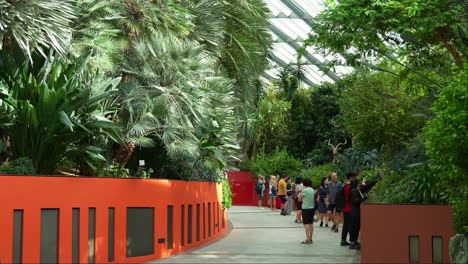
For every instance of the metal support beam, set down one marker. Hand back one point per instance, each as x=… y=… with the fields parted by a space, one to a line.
x=292 y=16
x=310 y=58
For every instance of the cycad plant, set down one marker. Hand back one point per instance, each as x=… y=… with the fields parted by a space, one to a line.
x=53 y=107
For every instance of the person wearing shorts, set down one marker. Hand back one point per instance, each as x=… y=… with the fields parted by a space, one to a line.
x=334 y=213
x=298 y=189
x=282 y=189
x=308 y=211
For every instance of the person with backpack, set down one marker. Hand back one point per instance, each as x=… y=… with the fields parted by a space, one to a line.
x=260 y=189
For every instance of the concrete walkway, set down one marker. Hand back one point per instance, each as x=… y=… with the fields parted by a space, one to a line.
x=263 y=236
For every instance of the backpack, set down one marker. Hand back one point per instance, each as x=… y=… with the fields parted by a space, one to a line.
x=274 y=191
x=294 y=192
x=340 y=200
x=258 y=187
x=316 y=197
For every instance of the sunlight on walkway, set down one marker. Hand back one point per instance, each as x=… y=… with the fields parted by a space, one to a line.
x=263 y=236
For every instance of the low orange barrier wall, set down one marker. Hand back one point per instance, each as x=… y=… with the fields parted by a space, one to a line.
x=102 y=220
x=405 y=233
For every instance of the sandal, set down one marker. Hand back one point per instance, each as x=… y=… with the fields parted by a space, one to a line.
x=305 y=242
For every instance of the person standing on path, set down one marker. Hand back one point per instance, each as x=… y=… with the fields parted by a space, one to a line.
x=334 y=186
x=307 y=198
x=282 y=189
x=323 y=201
x=289 y=195
x=260 y=189
x=298 y=189
x=356 y=198
x=346 y=210
x=273 y=192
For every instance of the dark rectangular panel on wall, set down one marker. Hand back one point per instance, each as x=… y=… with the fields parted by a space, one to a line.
x=17 y=235
x=217 y=216
x=91 y=233
x=49 y=236
x=437 y=250
x=170 y=225
x=222 y=219
x=189 y=224
x=197 y=228
x=140 y=231
x=204 y=221
x=209 y=219
x=110 y=234
x=414 y=249
x=75 y=235
x=182 y=225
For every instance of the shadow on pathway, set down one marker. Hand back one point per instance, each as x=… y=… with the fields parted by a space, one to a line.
x=263 y=236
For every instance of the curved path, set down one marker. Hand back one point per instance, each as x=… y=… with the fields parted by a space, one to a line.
x=262 y=236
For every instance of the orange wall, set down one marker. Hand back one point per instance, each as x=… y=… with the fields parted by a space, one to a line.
x=32 y=193
x=385 y=229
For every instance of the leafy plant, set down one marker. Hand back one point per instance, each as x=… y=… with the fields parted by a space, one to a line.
x=53 y=107
x=278 y=162
x=316 y=173
x=114 y=170
x=353 y=160
x=144 y=173
x=20 y=166
x=415 y=185
x=227 y=194
x=447 y=144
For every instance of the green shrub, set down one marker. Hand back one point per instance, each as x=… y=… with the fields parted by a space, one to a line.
x=278 y=162
x=114 y=170
x=227 y=194
x=414 y=185
x=316 y=173
x=447 y=146
x=20 y=166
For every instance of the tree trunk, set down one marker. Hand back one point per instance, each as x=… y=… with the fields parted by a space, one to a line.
x=440 y=34
x=123 y=153
x=254 y=149
x=245 y=151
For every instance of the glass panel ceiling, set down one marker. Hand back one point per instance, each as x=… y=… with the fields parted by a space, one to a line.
x=289 y=27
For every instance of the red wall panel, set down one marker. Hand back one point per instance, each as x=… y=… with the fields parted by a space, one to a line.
x=31 y=193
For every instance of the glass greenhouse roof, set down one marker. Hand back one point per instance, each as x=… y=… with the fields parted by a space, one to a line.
x=289 y=27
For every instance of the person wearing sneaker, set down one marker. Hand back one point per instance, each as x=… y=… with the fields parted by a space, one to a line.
x=323 y=201
x=356 y=198
x=308 y=211
x=334 y=213
x=344 y=196
x=282 y=189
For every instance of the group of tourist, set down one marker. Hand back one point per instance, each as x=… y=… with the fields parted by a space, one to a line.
x=331 y=202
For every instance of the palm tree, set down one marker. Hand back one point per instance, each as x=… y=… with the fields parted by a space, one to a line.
x=36 y=25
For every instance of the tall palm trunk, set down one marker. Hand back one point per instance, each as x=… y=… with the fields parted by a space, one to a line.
x=123 y=153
